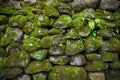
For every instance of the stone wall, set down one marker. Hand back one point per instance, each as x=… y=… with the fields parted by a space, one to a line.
x=60 y=40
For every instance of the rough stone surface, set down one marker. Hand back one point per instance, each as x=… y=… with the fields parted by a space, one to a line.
x=92 y=3
x=39 y=76
x=24 y=77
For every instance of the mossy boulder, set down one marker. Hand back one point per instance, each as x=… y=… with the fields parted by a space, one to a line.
x=28 y=28
x=58 y=39
x=113 y=44
x=107 y=56
x=18 y=59
x=17 y=21
x=78 y=60
x=93 y=56
x=115 y=65
x=67 y=73
x=40 y=76
x=38 y=66
x=92 y=43
x=74 y=47
x=64 y=21
x=96 y=66
x=55 y=31
x=24 y=77
x=3 y=19
x=39 y=32
x=31 y=44
x=39 y=55
x=10 y=73
x=51 y=11
x=60 y=60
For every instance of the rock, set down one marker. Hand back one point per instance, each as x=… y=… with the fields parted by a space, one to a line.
x=51 y=11
x=12 y=47
x=107 y=56
x=116 y=14
x=92 y=43
x=64 y=21
x=67 y=72
x=28 y=28
x=38 y=66
x=84 y=32
x=73 y=47
x=15 y=4
x=78 y=60
x=113 y=44
x=115 y=65
x=60 y=60
x=39 y=32
x=2 y=28
x=52 y=2
x=39 y=55
x=58 y=39
x=18 y=59
x=97 y=76
x=39 y=76
x=56 y=51
x=3 y=19
x=39 y=5
x=92 y=3
x=64 y=8
x=78 y=5
x=24 y=77
x=17 y=21
x=93 y=56
x=2 y=52
x=96 y=66
x=42 y=20
x=31 y=1
x=105 y=33
x=72 y=34
x=67 y=0
x=55 y=31
x=31 y=44
x=47 y=42
x=2 y=62
x=104 y=14
x=109 y=4
x=113 y=74
x=10 y=73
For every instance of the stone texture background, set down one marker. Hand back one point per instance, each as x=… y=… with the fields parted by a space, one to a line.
x=60 y=40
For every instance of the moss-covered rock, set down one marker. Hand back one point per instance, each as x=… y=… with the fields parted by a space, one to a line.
x=96 y=66
x=17 y=21
x=64 y=21
x=60 y=60
x=93 y=56
x=67 y=73
x=3 y=19
x=38 y=66
x=18 y=59
x=115 y=65
x=24 y=77
x=2 y=52
x=51 y=11
x=31 y=44
x=2 y=63
x=39 y=32
x=55 y=31
x=107 y=56
x=72 y=34
x=58 y=39
x=28 y=28
x=113 y=44
x=39 y=55
x=10 y=73
x=74 y=47
x=93 y=43
x=78 y=60
x=39 y=76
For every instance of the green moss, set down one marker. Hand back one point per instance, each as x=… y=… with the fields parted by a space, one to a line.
x=31 y=44
x=67 y=73
x=73 y=47
x=38 y=66
x=51 y=11
x=47 y=42
x=39 y=55
x=117 y=14
x=55 y=31
x=93 y=56
x=115 y=65
x=18 y=20
x=64 y=21
x=2 y=63
x=96 y=66
x=39 y=32
x=18 y=59
x=2 y=52
x=39 y=76
x=3 y=19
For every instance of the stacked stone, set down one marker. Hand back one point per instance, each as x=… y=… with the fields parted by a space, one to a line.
x=60 y=40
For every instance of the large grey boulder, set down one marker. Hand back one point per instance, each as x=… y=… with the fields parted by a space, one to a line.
x=92 y=3
x=109 y=4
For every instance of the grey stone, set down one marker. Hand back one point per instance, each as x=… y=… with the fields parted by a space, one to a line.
x=92 y=3
x=24 y=77
x=15 y=4
x=39 y=76
x=97 y=76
